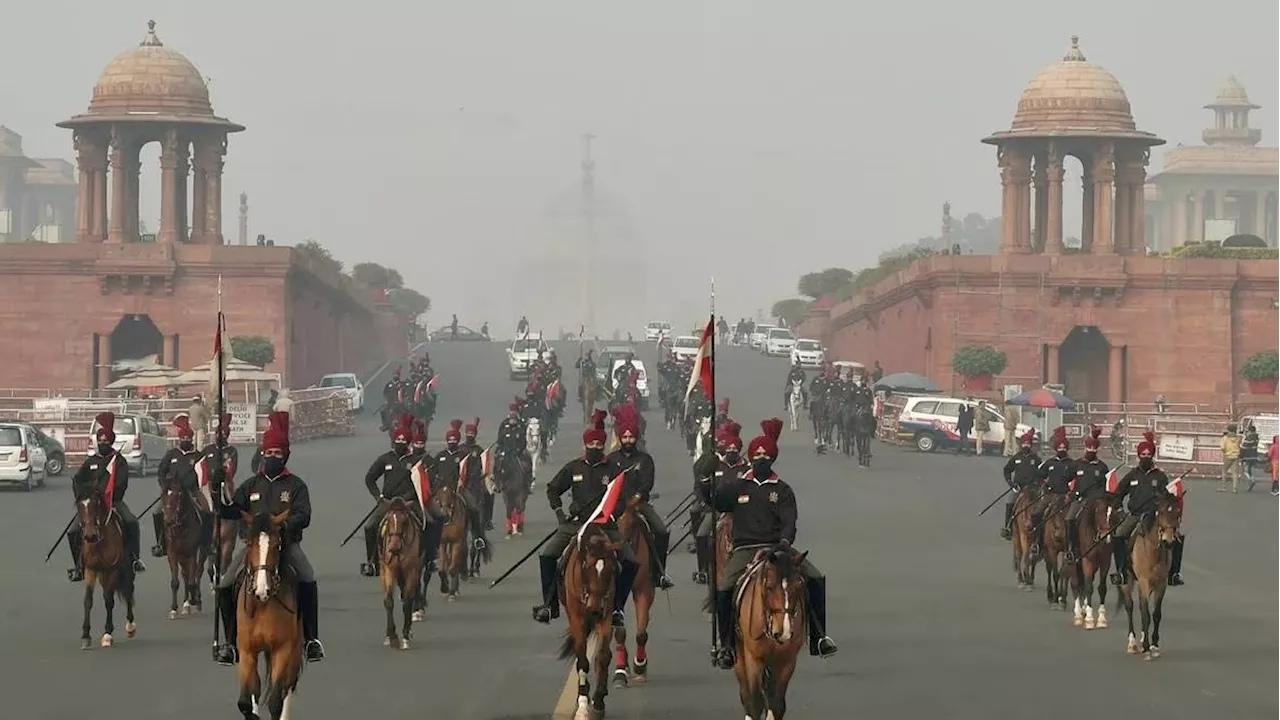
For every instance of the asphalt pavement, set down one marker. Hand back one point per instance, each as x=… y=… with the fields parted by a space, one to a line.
x=922 y=599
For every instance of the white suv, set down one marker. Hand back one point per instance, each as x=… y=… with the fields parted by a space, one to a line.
x=656 y=330
x=779 y=343
x=350 y=385
x=22 y=457
x=807 y=353
x=686 y=346
x=929 y=423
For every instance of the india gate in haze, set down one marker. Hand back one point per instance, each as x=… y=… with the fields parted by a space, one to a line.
x=73 y=310
x=1107 y=319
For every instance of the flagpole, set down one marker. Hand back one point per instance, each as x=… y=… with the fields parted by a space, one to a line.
x=220 y=467
x=711 y=579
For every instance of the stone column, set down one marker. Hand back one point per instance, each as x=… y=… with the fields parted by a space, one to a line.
x=1103 y=176
x=170 y=351
x=1178 y=228
x=213 y=188
x=199 y=195
x=1260 y=214
x=1120 y=226
x=103 y=370
x=1023 y=179
x=169 y=199
x=1115 y=374
x=99 y=229
x=1086 y=207
x=85 y=164
x=1053 y=370
x=119 y=189
x=1040 y=181
x=133 y=214
x=1220 y=205
x=1008 y=203
x=1197 y=217
x=1138 y=215
x=1053 y=232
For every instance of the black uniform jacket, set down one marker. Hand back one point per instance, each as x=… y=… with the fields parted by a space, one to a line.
x=474 y=454
x=640 y=480
x=584 y=482
x=1091 y=478
x=764 y=512
x=1056 y=473
x=94 y=474
x=393 y=470
x=447 y=468
x=711 y=470
x=1022 y=470
x=511 y=435
x=230 y=458
x=179 y=466
x=1143 y=488
x=257 y=494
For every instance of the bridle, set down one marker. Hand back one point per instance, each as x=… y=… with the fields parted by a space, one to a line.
x=789 y=613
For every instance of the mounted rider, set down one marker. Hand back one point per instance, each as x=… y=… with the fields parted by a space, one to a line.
x=1089 y=482
x=795 y=375
x=513 y=438
x=1056 y=474
x=722 y=414
x=228 y=456
x=586 y=479
x=639 y=467
x=478 y=463
x=421 y=461
x=764 y=515
x=1145 y=487
x=394 y=468
x=724 y=464
x=1021 y=474
x=272 y=490
x=107 y=473
x=179 y=465
x=449 y=468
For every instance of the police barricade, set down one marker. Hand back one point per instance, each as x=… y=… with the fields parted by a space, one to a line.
x=1188 y=436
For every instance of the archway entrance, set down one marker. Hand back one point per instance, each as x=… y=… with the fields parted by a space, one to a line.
x=1083 y=362
x=135 y=341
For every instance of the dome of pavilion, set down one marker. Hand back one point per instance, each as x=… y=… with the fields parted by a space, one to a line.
x=1073 y=96
x=151 y=79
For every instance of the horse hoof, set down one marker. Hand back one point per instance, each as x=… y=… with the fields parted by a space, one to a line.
x=130 y=629
x=1028 y=588
x=1077 y=621
x=386 y=642
x=1090 y=624
x=1148 y=657
x=186 y=608
x=620 y=678
x=508 y=537
x=107 y=640
x=404 y=643
x=453 y=597
x=85 y=644
x=1154 y=653
x=1102 y=623
x=173 y=614
x=418 y=616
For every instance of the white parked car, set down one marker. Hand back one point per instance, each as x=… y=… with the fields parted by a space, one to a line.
x=808 y=353
x=779 y=343
x=139 y=440
x=685 y=346
x=351 y=387
x=656 y=329
x=22 y=457
x=523 y=352
x=642 y=383
x=929 y=423
x=759 y=335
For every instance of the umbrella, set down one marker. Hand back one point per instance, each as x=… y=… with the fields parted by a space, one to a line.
x=237 y=369
x=151 y=376
x=909 y=382
x=1042 y=399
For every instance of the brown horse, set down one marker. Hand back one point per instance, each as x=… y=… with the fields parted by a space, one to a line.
x=1024 y=561
x=184 y=546
x=510 y=480
x=453 y=541
x=631 y=529
x=587 y=585
x=267 y=622
x=1149 y=558
x=106 y=565
x=400 y=560
x=772 y=625
x=1053 y=542
x=724 y=545
x=1086 y=571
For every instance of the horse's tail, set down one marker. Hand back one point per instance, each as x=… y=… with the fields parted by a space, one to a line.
x=125 y=580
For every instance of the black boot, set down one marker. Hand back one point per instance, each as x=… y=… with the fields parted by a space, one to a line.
x=133 y=546
x=724 y=658
x=550 y=608
x=227 y=653
x=488 y=511
x=660 y=543
x=1120 y=556
x=1006 y=532
x=1073 y=540
x=75 y=543
x=157 y=521
x=1175 y=563
x=432 y=550
x=309 y=608
x=820 y=644
x=369 y=568
x=702 y=546
x=1035 y=533
x=206 y=531
x=622 y=591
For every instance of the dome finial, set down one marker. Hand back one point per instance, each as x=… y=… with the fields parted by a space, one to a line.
x=1074 y=54
x=151 y=40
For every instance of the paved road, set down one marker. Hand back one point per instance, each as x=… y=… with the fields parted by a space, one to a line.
x=922 y=601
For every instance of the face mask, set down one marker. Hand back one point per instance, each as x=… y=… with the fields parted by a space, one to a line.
x=400 y=448
x=452 y=444
x=595 y=455
x=1146 y=463
x=1026 y=449
x=471 y=439
x=732 y=457
x=762 y=468
x=272 y=466
x=419 y=448
x=104 y=449
x=186 y=445
x=1062 y=454
x=1090 y=455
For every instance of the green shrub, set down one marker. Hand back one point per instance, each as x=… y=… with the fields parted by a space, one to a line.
x=1261 y=366
x=975 y=360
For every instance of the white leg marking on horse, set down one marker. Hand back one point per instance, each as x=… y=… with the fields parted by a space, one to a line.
x=769 y=715
x=1102 y=617
x=786 y=614
x=107 y=640
x=288 y=703
x=254 y=700
x=264 y=544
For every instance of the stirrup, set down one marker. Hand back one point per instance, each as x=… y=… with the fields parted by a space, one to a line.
x=314 y=650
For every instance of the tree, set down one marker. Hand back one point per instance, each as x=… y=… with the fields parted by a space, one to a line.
x=824 y=282
x=793 y=310
x=253 y=349
x=320 y=254
x=408 y=302
x=376 y=276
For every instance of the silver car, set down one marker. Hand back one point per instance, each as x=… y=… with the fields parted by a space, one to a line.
x=139 y=440
x=22 y=457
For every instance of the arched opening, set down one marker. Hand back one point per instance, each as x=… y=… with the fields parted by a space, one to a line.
x=148 y=191
x=135 y=341
x=1083 y=361
x=1074 y=218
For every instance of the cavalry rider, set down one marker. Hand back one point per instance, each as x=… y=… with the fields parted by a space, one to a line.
x=1089 y=482
x=1056 y=473
x=105 y=472
x=475 y=468
x=449 y=473
x=1021 y=473
x=638 y=465
x=179 y=465
x=418 y=455
x=796 y=374
x=393 y=468
x=1144 y=486
x=712 y=469
x=585 y=479
x=272 y=490
x=764 y=515
x=721 y=416
x=229 y=456
x=625 y=374
x=552 y=372
x=512 y=438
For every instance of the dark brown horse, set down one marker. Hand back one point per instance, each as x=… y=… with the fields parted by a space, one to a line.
x=185 y=547
x=400 y=561
x=267 y=622
x=1150 y=552
x=631 y=529
x=1053 y=544
x=586 y=590
x=453 y=551
x=772 y=625
x=1024 y=561
x=509 y=478
x=1086 y=571
x=106 y=565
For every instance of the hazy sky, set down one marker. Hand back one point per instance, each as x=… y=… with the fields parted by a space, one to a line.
x=752 y=140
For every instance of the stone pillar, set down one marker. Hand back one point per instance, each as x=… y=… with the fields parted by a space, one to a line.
x=182 y=199
x=1260 y=214
x=119 y=190
x=199 y=195
x=170 y=351
x=1120 y=227
x=104 y=360
x=1008 y=203
x=1115 y=374
x=1023 y=180
x=86 y=164
x=216 y=148
x=133 y=197
x=1138 y=215
x=1103 y=175
x=1053 y=370
x=1178 y=228
x=169 y=199
x=1220 y=205
x=1086 y=208
x=1053 y=201
x=99 y=227
x=1197 y=217
x=1040 y=181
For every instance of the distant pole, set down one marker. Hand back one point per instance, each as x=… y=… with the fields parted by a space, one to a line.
x=589 y=240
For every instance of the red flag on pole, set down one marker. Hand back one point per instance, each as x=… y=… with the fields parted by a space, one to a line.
x=704 y=364
x=608 y=504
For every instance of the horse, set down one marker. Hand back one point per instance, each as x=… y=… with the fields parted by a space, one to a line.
x=795 y=403
x=1148 y=569
x=106 y=565
x=632 y=530
x=510 y=480
x=1053 y=543
x=586 y=586
x=864 y=427
x=772 y=625
x=723 y=546
x=1024 y=561
x=587 y=396
x=701 y=437
x=817 y=417
x=453 y=541
x=400 y=562
x=1090 y=528
x=187 y=551
x=533 y=441
x=267 y=621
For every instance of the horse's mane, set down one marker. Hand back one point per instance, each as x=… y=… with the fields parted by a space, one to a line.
x=261 y=524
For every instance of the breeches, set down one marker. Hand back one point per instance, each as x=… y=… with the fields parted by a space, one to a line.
x=294 y=557
x=126 y=515
x=741 y=559
x=653 y=519
x=1126 y=527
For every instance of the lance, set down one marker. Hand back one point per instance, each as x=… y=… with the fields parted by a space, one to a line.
x=711 y=396
x=58 y=542
x=683 y=505
x=993 y=502
x=220 y=469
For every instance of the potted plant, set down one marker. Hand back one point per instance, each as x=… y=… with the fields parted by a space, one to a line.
x=978 y=364
x=1261 y=371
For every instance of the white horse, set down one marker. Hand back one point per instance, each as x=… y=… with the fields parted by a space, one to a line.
x=533 y=446
x=795 y=403
x=704 y=429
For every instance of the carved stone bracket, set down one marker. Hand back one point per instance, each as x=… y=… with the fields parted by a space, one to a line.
x=1099 y=294
x=128 y=284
